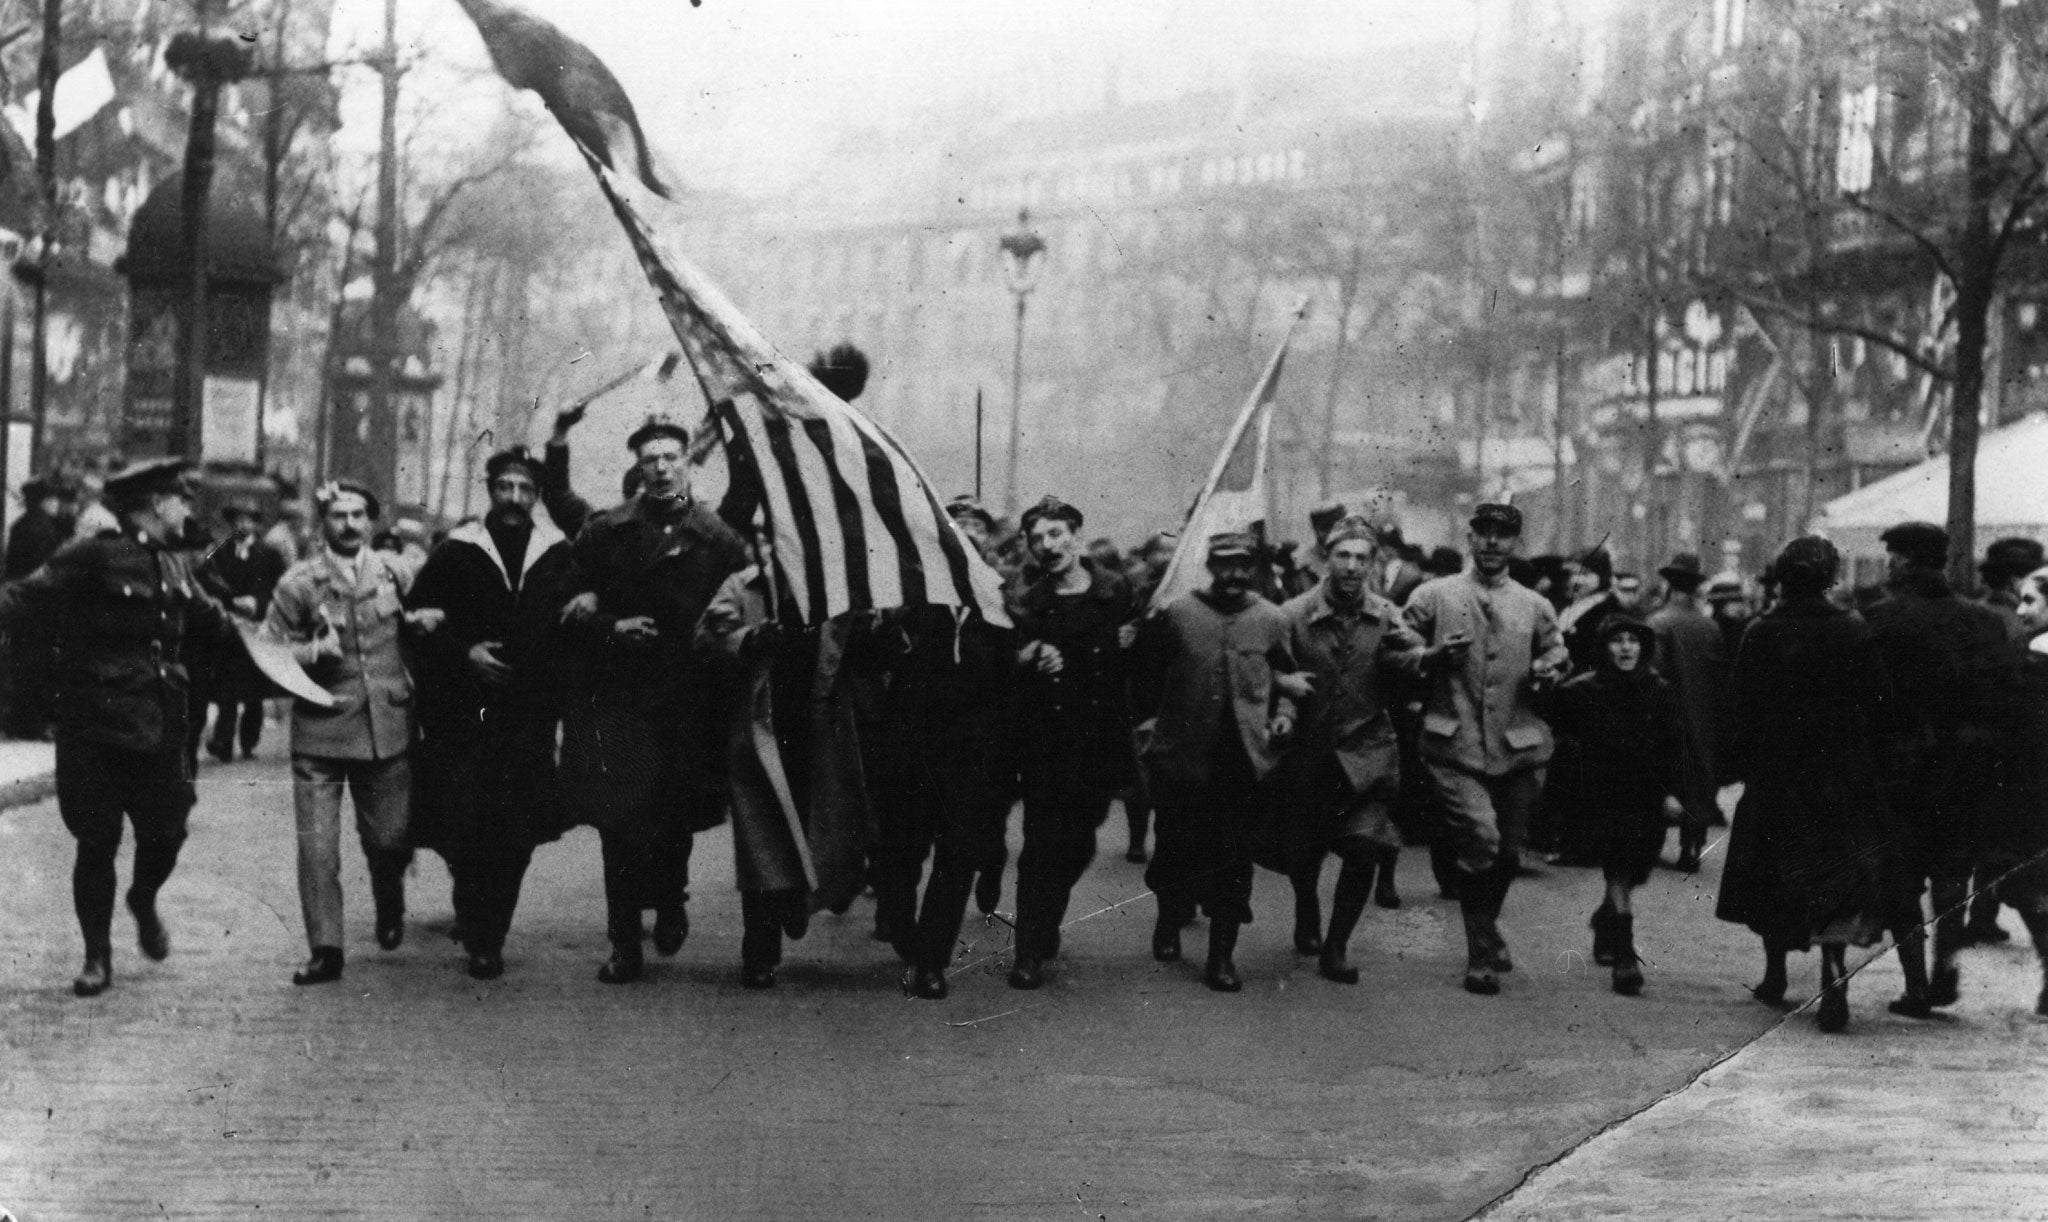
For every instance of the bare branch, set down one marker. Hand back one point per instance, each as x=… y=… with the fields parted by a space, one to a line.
x=1798 y=314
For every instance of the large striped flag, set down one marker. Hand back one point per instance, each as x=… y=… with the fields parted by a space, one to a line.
x=1239 y=492
x=854 y=523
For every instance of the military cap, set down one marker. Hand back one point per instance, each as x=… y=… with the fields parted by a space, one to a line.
x=1232 y=543
x=1497 y=515
x=148 y=477
x=659 y=424
x=514 y=456
x=1353 y=526
x=964 y=506
x=1051 y=507
x=240 y=507
x=325 y=494
x=1921 y=543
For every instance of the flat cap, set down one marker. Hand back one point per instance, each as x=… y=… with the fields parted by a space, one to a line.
x=660 y=424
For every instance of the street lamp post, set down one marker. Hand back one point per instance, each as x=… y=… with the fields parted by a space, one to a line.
x=1023 y=253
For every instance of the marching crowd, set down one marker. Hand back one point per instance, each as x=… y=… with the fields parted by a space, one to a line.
x=552 y=665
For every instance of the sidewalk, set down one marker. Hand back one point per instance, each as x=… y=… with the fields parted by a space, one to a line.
x=27 y=772
x=1894 y=1119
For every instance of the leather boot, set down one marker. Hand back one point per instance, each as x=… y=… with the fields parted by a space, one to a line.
x=1346 y=906
x=1166 y=937
x=1628 y=972
x=97 y=974
x=1602 y=925
x=387 y=893
x=323 y=968
x=1480 y=976
x=1384 y=894
x=1502 y=877
x=150 y=933
x=1221 y=974
x=1308 y=915
x=671 y=927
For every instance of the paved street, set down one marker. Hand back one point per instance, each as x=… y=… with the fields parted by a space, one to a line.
x=208 y=1087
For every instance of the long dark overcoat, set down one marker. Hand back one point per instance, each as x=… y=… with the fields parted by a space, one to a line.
x=1625 y=740
x=1813 y=852
x=643 y=735
x=1076 y=743
x=484 y=768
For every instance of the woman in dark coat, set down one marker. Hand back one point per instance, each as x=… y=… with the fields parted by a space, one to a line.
x=1567 y=827
x=1622 y=721
x=1809 y=854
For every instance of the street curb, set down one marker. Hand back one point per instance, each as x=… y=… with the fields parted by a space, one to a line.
x=27 y=791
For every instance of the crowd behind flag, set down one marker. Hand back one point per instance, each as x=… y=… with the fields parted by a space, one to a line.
x=1239 y=492
x=854 y=524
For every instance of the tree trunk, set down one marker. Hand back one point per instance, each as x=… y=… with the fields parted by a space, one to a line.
x=1977 y=278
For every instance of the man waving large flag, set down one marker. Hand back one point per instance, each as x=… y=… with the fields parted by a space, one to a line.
x=854 y=523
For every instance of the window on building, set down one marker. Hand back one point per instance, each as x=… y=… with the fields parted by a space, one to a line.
x=1856 y=145
x=1583 y=209
x=1731 y=19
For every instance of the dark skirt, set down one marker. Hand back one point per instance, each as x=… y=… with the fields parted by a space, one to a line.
x=1812 y=858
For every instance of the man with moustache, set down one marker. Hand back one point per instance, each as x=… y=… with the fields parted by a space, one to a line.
x=1074 y=750
x=343 y=610
x=1208 y=665
x=1344 y=772
x=1490 y=643
x=123 y=605
x=490 y=702
x=641 y=736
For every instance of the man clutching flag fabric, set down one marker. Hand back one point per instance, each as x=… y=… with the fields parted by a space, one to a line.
x=851 y=523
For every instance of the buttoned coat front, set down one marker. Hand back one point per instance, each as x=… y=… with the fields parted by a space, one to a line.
x=372 y=717
x=1206 y=666
x=1357 y=662
x=1477 y=715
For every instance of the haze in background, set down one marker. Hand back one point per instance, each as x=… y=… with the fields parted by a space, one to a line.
x=739 y=95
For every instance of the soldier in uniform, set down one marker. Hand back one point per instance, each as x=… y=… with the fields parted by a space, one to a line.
x=1491 y=644
x=640 y=749
x=342 y=609
x=124 y=606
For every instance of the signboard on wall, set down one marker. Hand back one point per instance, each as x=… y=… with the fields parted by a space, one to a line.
x=229 y=418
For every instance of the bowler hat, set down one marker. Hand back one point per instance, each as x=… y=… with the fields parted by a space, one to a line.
x=1497 y=515
x=2012 y=557
x=1685 y=572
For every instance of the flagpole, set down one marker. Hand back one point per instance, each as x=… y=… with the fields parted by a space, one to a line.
x=977 y=443
x=1190 y=546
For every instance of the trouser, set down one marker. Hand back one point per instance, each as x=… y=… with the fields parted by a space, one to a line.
x=1059 y=844
x=644 y=867
x=487 y=883
x=97 y=787
x=382 y=794
x=1486 y=818
x=763 y=917
x=1204 y=856
x=230 y=716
